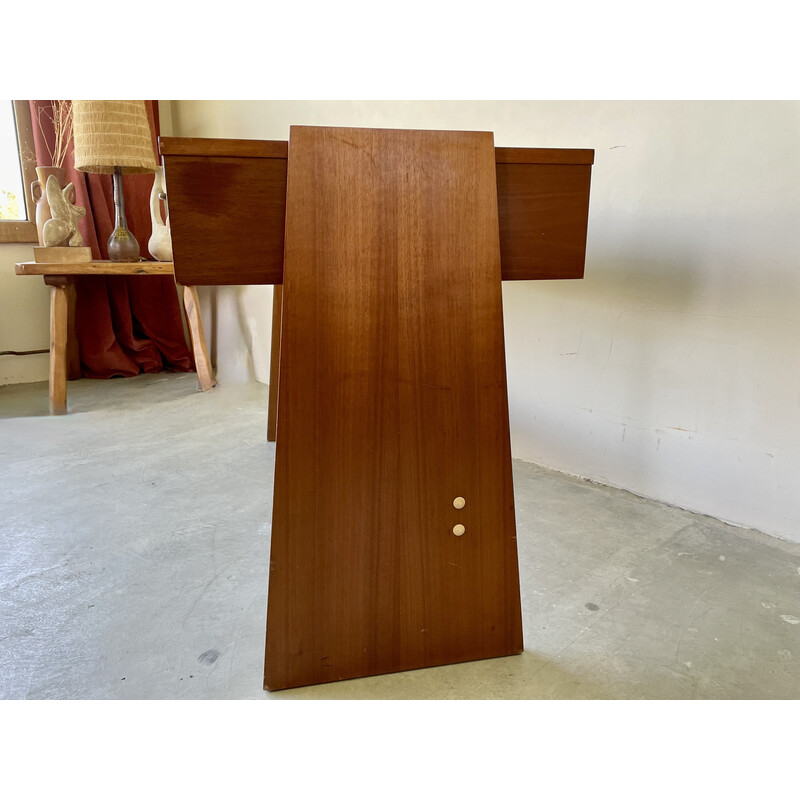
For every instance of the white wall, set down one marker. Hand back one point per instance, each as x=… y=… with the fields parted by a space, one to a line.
x=673 y=369
x=24 y=318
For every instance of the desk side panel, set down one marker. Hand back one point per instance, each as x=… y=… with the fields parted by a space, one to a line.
x=227 y=218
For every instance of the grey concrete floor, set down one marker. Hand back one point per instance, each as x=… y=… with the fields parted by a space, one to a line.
x=134 y=541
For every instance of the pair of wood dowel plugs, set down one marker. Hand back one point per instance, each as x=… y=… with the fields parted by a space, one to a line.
x=459 y=503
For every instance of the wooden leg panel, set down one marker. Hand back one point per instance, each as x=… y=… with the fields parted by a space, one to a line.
x=59 y=326
x=393 y=404
x=205 y=374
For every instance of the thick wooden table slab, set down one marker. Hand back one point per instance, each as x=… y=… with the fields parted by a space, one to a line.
x=96 y=268
x=392 y=405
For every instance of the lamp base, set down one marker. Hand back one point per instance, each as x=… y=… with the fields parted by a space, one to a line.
x=122 y=246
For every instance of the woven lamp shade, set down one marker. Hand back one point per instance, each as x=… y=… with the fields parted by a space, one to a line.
x=112 y=133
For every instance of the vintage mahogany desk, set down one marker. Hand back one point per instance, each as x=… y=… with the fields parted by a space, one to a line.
x=393 y=534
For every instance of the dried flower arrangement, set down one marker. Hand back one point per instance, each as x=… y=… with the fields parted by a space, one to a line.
x=59 y=117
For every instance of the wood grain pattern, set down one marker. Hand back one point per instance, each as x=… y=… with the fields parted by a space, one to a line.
x=261 y=148
x=96 y=268
x=227 y=218
x=219 y=189
x=392 y=399
x=228 y=148
x=542 y=155
x=73 y=349
x=59 y=325
x=544 y=213
x=202 y=362
x=274 y=363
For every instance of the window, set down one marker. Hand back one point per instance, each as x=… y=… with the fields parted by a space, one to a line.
x=17 y=209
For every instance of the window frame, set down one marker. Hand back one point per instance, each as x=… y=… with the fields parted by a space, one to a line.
x=23 y=230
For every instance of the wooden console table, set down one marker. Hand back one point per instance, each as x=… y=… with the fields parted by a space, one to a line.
x=60 y=279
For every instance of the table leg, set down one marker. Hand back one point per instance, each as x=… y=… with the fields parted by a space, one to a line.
x=73 y=351
x=274 y=362
x=59 y=319
x=205 y=374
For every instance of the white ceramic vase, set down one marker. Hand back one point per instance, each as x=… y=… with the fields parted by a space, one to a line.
x=160 y=242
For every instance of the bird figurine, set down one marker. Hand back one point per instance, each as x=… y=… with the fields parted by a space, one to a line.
x=62 y=229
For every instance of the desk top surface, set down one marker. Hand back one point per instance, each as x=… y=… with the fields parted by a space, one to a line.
x=259 y=148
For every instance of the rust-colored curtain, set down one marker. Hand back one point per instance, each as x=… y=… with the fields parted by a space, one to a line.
x=124 y=325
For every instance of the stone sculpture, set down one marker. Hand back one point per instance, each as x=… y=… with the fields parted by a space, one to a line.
x=62 y=228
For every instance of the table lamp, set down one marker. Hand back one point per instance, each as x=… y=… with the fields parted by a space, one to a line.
x=113 y=136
